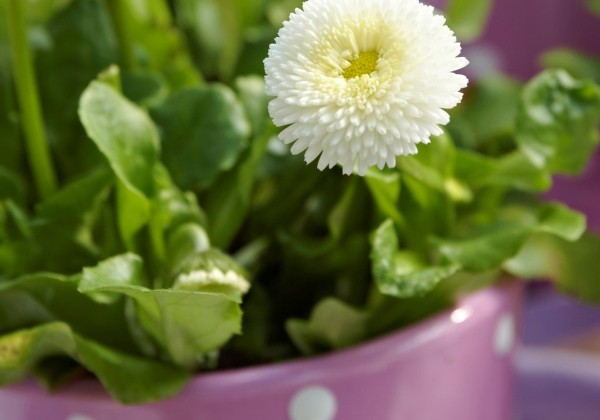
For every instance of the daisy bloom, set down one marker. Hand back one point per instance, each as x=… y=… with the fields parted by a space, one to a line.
x=360 y=82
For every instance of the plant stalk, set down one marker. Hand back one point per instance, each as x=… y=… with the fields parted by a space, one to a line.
x=116 y=8
x=31 y=115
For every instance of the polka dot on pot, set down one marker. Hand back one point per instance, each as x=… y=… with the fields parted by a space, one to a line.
x=504 y=337
x=313 y=403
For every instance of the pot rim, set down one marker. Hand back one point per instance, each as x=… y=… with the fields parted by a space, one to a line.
x=456 y=319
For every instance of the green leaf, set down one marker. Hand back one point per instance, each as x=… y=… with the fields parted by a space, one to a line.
x=19 y=225
x=122 y=269
x=22 y=350
x=485 y=249
x=573 y=266
x=11 y=146
x=256 y=46
x=579 y=65
x=332 y=325
x=416 y=282
x=251 y=93
x=467 y=18
x=516 y=171
x=485 y=120
x=250 y=11
x=75 y=199
x=171 y=209
x=557 y=121
x=40 y=13
x=47 y=296
x=187 y=240
x=227 y=202
x=214 y=33
x=424 y=174
x=19 y=310
x=167 y=315
x=17 y=248
x=127 y=378
x=55 y=371
x=159 y=44
x=439 y=155
x=387 y=314
x=434 y=167
x=81 y=44
x=561 y=221
x=128 y=139
x=204 y=129
x=133 y=211
x=402 y=274
x=123 y=133
x=385 y=189
x=512 y=170
x=144 y=87
x=344 y=218
x=279 y=10
x=65 y=224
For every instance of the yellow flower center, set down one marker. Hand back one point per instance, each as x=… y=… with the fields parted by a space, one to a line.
x=366 y=63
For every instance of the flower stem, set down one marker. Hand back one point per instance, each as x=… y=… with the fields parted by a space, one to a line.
x=31 y=115
x=116 y=8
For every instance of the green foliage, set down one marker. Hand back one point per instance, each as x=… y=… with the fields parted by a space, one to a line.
x=81 y=37
x=176 y=197
x=557 y=121
x=213 y=28
x=204 y=130
x=467 y=18
x=593 y=5
x=166 y=314
x=579 y=65
x=124 y=376
x=128 y=139
x=403 y=274
x=332 y=325
x=569 y=264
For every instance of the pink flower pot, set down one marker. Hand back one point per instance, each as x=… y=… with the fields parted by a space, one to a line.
x=457 y=365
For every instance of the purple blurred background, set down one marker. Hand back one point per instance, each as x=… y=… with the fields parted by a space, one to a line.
x=555 y=382
x=520 y=30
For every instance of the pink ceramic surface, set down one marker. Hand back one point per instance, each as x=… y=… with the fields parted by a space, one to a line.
x=457 y=365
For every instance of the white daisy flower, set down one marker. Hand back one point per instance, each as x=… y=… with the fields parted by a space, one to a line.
x=360 y=82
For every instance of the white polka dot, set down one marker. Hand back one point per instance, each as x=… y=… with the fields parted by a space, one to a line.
x=78 y=416
x=313 y=403
x=504 y=338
